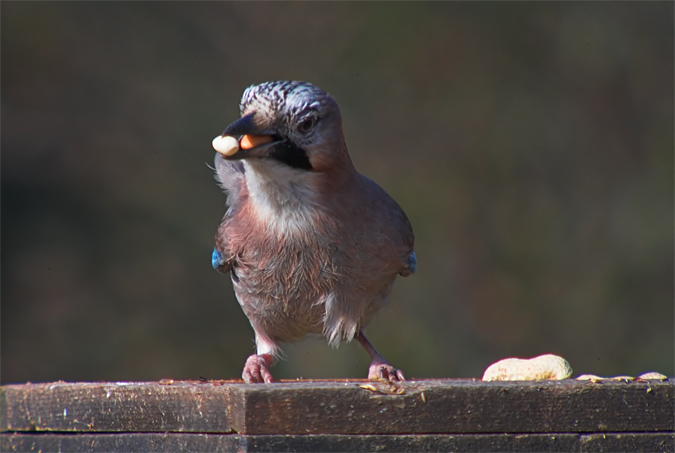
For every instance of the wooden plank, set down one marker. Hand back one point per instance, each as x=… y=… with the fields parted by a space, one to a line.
x=612 y=443
x=178 y=442
x=127 y=407
x=122 y=442
x=454 y=406
x=415 y=442
x=341 y=407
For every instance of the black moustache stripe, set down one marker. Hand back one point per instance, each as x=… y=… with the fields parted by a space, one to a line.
x=291 y=155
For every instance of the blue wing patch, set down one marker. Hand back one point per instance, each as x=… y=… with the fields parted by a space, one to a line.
x=412 y=262
x=216 y=259
x=410 y=265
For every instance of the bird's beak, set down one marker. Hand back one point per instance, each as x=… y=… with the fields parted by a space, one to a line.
x=245 y=138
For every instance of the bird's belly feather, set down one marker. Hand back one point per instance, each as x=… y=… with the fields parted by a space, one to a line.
x=292 y=288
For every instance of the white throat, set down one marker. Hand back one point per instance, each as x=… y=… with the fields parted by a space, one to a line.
x=283 y=197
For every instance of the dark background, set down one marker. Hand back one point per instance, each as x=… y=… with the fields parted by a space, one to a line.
x=531 y=145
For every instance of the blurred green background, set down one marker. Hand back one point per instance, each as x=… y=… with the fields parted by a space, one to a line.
x=531 y=145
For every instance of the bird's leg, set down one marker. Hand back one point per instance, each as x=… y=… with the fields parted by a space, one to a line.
x=379 y=368
x=257 y=369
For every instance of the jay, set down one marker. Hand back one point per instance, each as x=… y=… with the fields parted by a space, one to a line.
x=311 y=245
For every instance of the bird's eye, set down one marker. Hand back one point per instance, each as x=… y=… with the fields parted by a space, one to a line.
x=306 y=125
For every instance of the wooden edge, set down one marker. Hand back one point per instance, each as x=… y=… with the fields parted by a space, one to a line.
x=591 y=442
x=444 y=406
x=454 y=407
x=119 y=406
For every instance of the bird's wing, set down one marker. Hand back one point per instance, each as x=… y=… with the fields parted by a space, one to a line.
x=230 y=177
x=408 y=238
x=397 y=225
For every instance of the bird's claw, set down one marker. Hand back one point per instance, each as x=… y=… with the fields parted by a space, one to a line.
x=382 y=371
x=256 y=369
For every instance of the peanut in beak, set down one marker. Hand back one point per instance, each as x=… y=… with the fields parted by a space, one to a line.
x=225 y=145
x=228 y=145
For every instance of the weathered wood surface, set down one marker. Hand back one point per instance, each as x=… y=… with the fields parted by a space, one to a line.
x=174 y=442
x=341 y=407
x=116 y=407
x=344 y=415
x=455 y=407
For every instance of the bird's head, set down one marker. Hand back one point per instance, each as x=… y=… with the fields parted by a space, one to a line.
x=292 y=123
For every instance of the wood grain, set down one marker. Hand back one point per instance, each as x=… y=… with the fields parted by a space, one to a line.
x=111 y=407
x=175 y=442
x=453 y=407
x=340 y=415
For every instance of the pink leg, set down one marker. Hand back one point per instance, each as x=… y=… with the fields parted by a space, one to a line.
x=257 y=369
x=379 y=368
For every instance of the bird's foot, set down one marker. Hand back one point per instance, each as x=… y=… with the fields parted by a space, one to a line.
x=383 y=371
x=257 y=370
